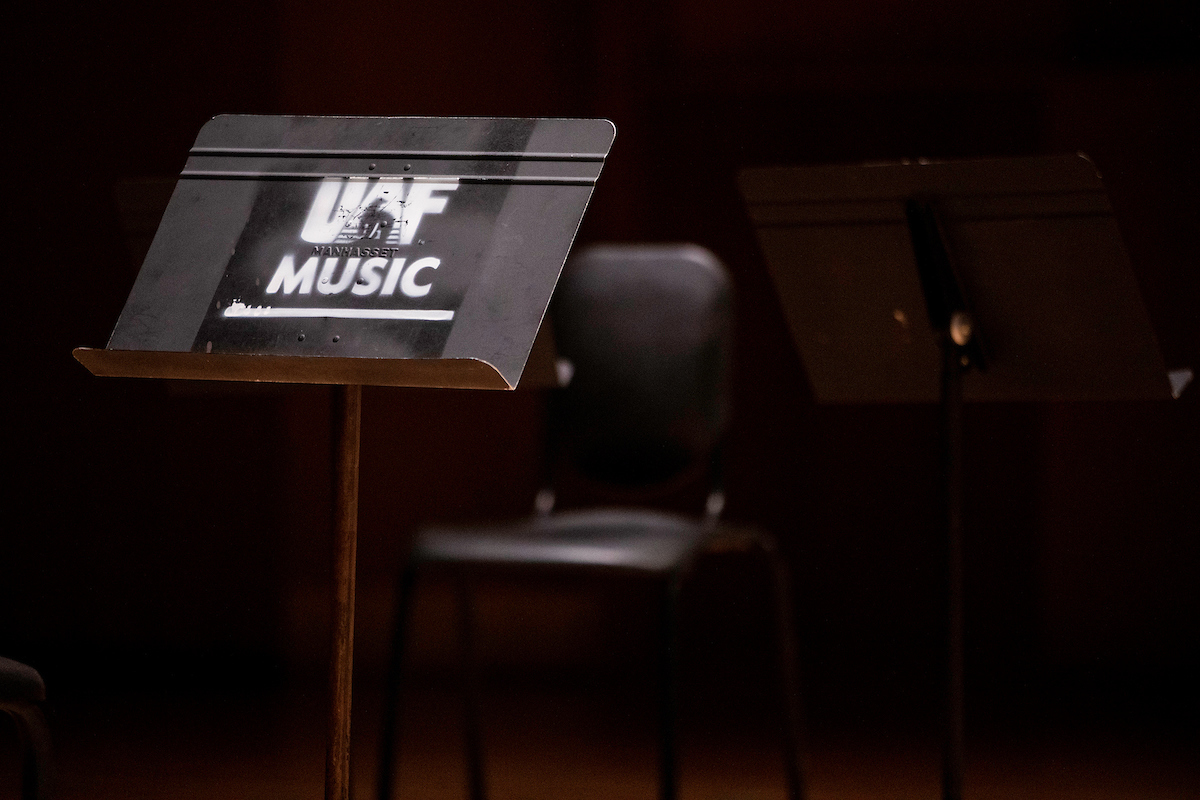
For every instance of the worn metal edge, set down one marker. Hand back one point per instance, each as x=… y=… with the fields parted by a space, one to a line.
x=544 y=180
x=447 y=373
x=480 y=155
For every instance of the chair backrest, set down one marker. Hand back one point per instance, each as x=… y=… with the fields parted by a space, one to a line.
x=645 y=330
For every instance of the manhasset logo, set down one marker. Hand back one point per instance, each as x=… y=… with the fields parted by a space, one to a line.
x=357 y=230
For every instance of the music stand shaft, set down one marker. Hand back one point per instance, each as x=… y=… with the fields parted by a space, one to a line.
x=949 y=316
x=347 y=415
x=952 y=488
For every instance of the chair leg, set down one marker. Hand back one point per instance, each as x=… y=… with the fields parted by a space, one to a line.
x=35 y=747
x=668 y=678
x=389 y=732
x=476 y=786
x=788 y=654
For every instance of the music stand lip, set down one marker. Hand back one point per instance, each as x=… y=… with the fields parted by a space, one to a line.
x=450 y=373
x=1012 y=175
x=603 y=137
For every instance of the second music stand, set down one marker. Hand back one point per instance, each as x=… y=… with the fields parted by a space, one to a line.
x=990 y=280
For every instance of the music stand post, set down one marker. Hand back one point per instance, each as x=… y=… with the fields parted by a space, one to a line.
x=1030 y=242
x=959 y=341
x=347 y=419
x=352 y=251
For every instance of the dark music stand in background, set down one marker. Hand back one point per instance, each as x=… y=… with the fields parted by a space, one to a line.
x=991 y=280
x=387 y=251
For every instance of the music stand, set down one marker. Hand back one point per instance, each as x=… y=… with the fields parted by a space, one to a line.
x=397 y=251
x=990 y=280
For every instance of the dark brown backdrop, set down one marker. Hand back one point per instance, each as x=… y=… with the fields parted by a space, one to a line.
x=180 y=533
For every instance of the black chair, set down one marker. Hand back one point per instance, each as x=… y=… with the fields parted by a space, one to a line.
x=21 y=695
x=644 y=335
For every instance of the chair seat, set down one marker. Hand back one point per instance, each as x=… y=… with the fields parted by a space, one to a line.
x=20 y=683
x=613 y=539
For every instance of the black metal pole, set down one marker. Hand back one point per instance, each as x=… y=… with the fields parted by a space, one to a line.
x=955 y=363
x=389 y=736
x=668 y=688
x=789 y=660
x=476 y=780
x=951 y=320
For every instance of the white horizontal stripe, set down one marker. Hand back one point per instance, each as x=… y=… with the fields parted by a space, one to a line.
x=428 y=315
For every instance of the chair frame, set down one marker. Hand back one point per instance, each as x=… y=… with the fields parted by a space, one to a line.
x=716 y=539
x=609 y=286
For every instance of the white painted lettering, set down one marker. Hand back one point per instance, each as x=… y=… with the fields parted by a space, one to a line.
x=287 y=278
x=368 y=277
x=326 y=284
x=360 y=208
x=420 y=202
x=409 y=285
x=334 y=201
x=393 y=277
x=341 y=202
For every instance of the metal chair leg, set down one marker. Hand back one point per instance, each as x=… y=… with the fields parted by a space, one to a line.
x=789 y=681
x=668 y=675
x=35 y=746
x=389 y=733
x=476 y=785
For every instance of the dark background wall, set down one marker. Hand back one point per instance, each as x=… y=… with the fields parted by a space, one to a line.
x=181 y=531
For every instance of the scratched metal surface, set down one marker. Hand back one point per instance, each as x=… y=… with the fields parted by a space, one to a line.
x=398 y=238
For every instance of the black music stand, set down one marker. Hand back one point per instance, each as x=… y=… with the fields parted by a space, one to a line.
x=990 y=280
x=397 y=251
